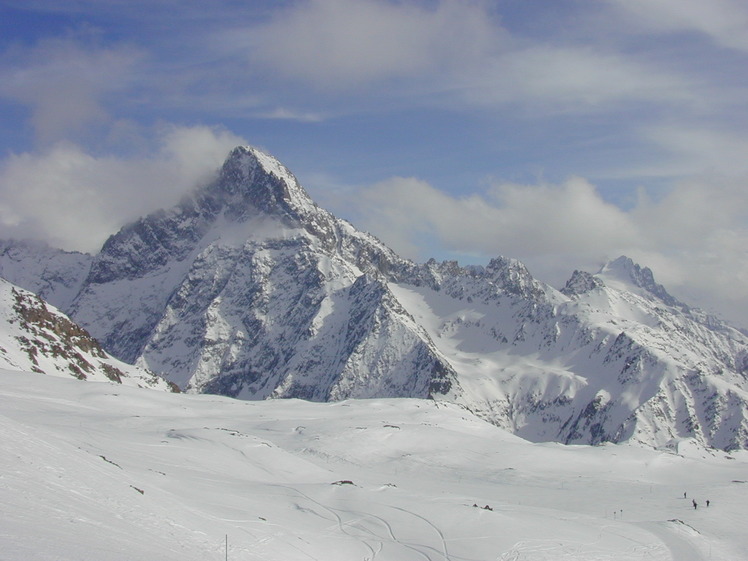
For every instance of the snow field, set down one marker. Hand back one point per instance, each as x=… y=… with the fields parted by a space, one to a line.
x=96 y=471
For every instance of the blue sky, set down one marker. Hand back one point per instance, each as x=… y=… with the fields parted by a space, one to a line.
x=560 y=132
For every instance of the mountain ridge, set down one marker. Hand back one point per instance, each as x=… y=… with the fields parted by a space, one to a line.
x=247 y=288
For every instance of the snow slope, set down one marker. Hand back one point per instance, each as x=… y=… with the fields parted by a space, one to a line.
x=36 y=337
x=97 y=471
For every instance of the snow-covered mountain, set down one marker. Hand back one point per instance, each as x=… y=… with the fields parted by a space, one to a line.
x=611 y=357
x=36 y=337
x=248 y=289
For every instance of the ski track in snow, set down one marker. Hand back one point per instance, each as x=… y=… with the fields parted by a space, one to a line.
x=357 y=525
x=440 y=534
x=681 y=545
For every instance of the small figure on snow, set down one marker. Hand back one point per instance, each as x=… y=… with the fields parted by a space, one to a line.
x=684 y=494
x=695 y=504
x=707 y=503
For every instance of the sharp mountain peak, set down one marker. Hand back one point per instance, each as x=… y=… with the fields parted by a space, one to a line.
x=252 y=177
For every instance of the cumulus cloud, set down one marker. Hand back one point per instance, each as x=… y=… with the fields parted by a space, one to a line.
x=75 y=199
x=513 y=219
x=694 y=238
x=698 y=237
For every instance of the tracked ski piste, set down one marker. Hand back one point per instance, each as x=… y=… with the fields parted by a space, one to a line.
x=95 y=471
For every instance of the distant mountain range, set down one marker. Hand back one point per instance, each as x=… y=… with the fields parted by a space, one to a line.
x=247 y=288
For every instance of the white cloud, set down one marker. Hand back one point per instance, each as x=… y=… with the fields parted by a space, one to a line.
x=699 y=237
x=453 y=50
x=695 y=149
x=364 y=53
x=682 y=150
x=75 y=200
x=285 y=114
x=511 y=219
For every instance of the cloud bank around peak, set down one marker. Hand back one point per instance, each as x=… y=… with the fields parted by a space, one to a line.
x=691 y=237
x=75 y=199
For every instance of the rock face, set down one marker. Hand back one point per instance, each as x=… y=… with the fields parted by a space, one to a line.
x=36 y=337
x=247 y=288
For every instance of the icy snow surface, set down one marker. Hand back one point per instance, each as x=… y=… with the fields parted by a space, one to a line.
x=95 y=471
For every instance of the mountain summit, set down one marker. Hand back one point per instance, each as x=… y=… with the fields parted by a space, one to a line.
x=251 y=178
x=635 y=278
x=247 y=288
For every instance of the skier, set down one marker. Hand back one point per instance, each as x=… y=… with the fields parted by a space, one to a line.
x=695 y=504
x=707 y=503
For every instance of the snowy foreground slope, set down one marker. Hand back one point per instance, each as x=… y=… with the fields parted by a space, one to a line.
x=247 y=288
x=102 y=472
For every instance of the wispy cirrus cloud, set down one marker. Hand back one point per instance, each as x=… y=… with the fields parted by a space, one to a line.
x=725 y=22
x=547 y=78
x=65 y=83
x=285 y=114
x=336 y=45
